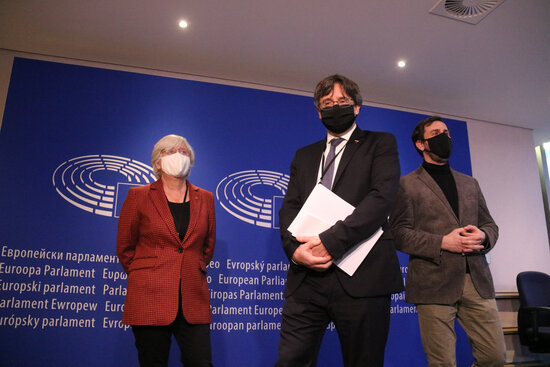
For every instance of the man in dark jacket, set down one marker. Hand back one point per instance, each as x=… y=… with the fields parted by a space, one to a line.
x=362 y=168
x=441 y=220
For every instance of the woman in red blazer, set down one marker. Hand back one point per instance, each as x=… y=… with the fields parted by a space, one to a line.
x=166 y=237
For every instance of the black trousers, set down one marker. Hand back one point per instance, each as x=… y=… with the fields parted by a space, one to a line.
x=362 y=323
x=153 y=343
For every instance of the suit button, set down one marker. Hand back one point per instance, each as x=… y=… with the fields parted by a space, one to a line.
x=180 y=250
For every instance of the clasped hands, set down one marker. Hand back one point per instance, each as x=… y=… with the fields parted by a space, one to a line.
x=312 y=253
x=464 y=240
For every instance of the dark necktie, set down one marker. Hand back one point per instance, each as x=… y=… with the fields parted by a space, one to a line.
x=328 y=169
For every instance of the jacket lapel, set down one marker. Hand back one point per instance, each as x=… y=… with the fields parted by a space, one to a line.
x=462 y=192
x=195 y=205
x=356 y=139
x=312 y=176
x=161 y=204
x=425 y=177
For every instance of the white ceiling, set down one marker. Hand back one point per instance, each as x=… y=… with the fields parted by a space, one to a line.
x=497 y=70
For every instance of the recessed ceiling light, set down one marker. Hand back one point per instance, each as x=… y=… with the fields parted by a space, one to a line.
x=401 y=63
x=183 y=23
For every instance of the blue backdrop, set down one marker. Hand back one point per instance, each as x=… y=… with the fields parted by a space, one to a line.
x=74 y=139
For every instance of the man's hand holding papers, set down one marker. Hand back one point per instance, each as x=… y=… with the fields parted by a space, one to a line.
x=322 y=209
x=312 y=254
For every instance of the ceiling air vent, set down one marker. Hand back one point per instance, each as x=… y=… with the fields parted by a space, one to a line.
x=469 y=11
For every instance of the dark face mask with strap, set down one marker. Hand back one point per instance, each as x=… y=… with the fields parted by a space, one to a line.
x=440 y=145
x=338 y=119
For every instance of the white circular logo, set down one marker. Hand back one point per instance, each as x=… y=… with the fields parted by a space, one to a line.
x=99 y=183
x=253 y=196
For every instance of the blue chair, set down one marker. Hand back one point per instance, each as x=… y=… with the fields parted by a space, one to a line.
x=534 y=310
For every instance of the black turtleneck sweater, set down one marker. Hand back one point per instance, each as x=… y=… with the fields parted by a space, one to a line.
x=442 y=175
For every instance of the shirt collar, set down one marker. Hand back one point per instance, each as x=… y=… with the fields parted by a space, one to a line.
x=346 y=136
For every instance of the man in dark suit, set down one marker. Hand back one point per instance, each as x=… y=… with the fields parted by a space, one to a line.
x=441 y=220
x=363 y=169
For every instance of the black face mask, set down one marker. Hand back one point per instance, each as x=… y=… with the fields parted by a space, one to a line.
x=440 y=145
x=338 y=119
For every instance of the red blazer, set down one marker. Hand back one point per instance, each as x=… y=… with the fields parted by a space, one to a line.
x=158 y=263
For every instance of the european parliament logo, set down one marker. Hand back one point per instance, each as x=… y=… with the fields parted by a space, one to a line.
x=99 y=183
x=253 y=196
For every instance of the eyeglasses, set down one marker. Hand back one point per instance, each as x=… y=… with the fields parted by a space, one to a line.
x=327 y=103
x=176 y=150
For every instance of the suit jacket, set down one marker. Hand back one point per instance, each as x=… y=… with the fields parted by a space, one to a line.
x=158 y=263
x=421 y=217
x=367 y=178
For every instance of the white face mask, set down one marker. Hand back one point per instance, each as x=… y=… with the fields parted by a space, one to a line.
x=177 y=165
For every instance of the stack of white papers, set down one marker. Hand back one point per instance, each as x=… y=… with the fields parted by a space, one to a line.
x=322 y=210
